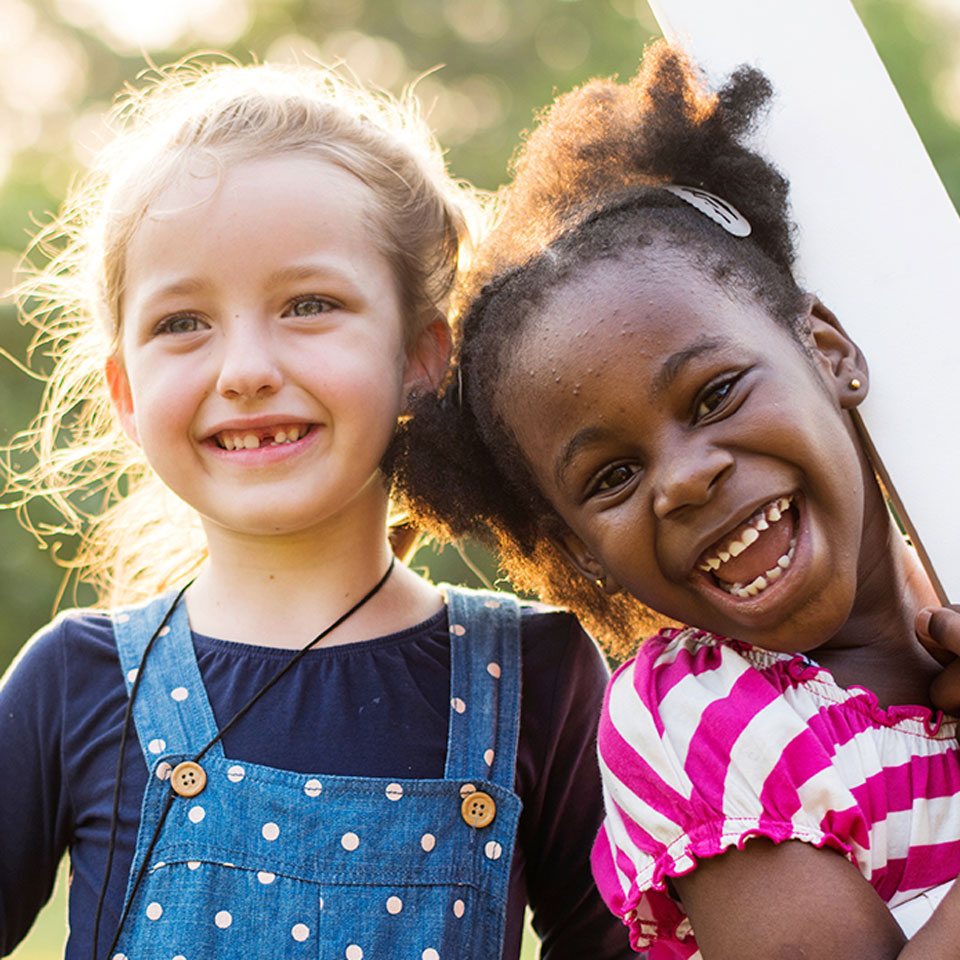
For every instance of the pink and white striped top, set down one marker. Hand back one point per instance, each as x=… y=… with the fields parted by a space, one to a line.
x=706 y=742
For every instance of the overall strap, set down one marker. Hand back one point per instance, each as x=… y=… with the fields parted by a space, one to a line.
x=485 y=667
x=171 y=711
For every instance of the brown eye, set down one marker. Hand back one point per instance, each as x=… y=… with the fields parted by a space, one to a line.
x=713 y=399
x=616 y=477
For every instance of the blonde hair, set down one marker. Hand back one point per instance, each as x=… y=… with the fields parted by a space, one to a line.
x=138 y=538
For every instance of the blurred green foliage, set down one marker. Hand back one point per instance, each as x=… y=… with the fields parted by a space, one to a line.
x=484 y=66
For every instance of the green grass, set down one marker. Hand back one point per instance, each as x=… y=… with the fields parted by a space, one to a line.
x=46 y=939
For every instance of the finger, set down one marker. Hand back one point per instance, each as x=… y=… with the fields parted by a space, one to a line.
x=945 y=689
x=940 y=626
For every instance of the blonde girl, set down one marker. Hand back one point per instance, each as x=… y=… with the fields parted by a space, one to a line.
x=274 y=740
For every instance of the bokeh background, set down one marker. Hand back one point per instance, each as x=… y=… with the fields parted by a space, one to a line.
x=484 y=67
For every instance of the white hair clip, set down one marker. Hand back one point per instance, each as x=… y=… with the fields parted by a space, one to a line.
x=712 y=206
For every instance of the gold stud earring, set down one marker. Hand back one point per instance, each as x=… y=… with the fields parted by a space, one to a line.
x=855 y=384
x=601 y=583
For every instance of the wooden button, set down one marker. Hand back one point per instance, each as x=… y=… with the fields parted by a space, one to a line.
x=188 y=778
x=478 y=809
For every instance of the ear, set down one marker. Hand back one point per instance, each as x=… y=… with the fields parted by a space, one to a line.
x=585 y=563
x=121 y=397
x=428 y=358
x=841 y=360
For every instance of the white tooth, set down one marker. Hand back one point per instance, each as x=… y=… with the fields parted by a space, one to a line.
x=736 y=548
x=761 y=523
x=251 y=442
x=714 y=563
x=724 y=556
x=784 y=562
x=749 y=536
x=230 y=443
x=774 y=514
x=703 y=566
x=773 y=574
x=760 y=583
x=280 y=437
x=783 y=503
x=293 y=434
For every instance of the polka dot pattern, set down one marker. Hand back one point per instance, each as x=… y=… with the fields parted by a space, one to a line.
x=394 y=791
x=493 y=850
x=240 y=797
x=270 y=831
x=163 y=631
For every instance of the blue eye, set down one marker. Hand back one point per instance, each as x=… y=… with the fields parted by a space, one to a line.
x=180 y=323
x=310 y=306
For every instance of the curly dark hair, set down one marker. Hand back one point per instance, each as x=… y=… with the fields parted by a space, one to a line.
x=587 y=185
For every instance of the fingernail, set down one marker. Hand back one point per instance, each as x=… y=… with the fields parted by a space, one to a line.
x=922 y=622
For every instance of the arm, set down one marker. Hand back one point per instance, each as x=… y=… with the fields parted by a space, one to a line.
x=33 y=803
x=794 y=900
x=558 y=778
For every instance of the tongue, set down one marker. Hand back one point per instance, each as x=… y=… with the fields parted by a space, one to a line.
x=761 y=555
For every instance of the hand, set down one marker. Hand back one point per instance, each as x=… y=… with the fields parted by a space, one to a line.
x=938 y=629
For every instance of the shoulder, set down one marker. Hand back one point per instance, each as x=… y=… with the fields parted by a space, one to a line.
x=75 y=637
x=680 y=676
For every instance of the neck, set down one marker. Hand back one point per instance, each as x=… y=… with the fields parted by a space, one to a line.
x=282 y=591
x=877 y=647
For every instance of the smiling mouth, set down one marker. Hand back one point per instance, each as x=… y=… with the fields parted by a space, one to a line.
x=755 y=555
x=272 y=436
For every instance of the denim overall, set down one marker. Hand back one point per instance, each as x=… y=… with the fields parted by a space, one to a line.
x=266 y=863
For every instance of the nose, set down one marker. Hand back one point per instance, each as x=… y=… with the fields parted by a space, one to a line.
x=249 y=366
x=689 y=475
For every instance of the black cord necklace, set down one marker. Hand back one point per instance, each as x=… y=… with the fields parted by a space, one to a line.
x=114 y=818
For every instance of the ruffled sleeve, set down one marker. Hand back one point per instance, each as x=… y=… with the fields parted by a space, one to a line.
x=699 y=751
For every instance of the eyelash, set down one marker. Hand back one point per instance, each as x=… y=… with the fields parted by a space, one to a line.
x=166 y=324
x=723 y=389
x=602 y=483
x=325 y=302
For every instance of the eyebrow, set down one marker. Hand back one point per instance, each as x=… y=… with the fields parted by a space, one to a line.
x=582 y=438
x=671 y=367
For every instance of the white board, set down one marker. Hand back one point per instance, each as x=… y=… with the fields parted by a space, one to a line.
x=879 y=240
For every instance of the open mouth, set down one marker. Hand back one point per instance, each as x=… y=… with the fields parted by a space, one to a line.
x=272 y=436
x=747 y=561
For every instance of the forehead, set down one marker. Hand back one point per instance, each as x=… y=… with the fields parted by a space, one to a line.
x=218 y=225
x=620 y=329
